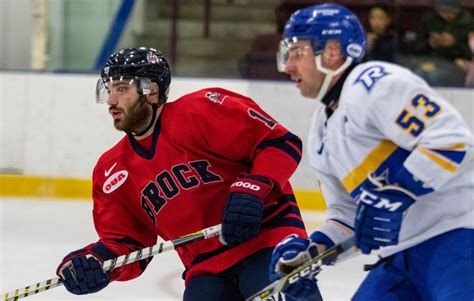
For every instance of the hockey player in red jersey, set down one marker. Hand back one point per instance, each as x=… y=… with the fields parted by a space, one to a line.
x=210 y=157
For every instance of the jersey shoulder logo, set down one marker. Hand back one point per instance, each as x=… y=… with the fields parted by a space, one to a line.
x=216 y=97
x=370 y=76
x=108 y=171
x=115 y=181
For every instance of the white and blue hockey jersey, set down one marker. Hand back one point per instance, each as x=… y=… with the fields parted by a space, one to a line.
x=390 y=122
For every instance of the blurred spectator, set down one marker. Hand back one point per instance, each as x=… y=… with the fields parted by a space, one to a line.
x=380 y=36
x=470 y=66
x=444 y=32
x=442 y=39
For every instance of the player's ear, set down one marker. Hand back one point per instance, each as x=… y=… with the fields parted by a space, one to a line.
x=154 y=91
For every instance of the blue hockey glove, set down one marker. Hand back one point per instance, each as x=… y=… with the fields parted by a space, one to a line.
x=288 y=255
x=379 y=214
x=82 y=272
x=244 y=208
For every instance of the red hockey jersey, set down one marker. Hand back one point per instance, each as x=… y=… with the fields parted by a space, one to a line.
x=201 y=144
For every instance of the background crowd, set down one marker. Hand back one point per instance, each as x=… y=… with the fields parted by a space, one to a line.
x=435 y=39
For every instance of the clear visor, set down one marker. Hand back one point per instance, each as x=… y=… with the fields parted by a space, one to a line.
x=291 y=50
x=106 y=87
x=283 y=55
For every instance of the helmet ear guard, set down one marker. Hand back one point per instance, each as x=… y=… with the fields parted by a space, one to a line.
x=144 y=86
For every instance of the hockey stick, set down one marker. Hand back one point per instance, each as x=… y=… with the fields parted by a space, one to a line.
x=301 y=271
x=122 y=260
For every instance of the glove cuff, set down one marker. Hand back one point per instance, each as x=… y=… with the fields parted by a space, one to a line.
x=380 y=186
x=98 y=250
x=258 y=186
x=322 y=239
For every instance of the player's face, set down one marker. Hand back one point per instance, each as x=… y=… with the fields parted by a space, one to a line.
x=301 y=66
x=129 y=110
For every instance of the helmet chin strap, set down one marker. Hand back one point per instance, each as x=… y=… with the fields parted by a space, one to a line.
x=154 y=107
x=329 y=75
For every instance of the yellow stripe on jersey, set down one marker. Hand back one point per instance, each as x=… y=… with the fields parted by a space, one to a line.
x=452 y=148
x=373 y=160
x=438 y=160
x=343 y=227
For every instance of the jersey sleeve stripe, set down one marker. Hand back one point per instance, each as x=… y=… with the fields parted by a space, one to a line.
x=133 y=245
x=285 y=206
x=455 y=147
x=102 y=251
x=455 y=156
x=130 y=242
x=290 y=151
x=286 y=209
x=440 y=161
x=341 y=225
x=289 y=143
x=271 y=213
x=298 y=149
x=371 y=162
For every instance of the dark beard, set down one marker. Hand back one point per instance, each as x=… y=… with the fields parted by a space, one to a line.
x=137 y=117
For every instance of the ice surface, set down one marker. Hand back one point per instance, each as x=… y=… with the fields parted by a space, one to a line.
x=36 y=234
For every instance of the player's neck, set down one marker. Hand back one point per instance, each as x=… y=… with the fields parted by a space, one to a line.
x=152 y=128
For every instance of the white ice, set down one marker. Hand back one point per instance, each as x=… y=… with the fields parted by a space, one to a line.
x=36 y=234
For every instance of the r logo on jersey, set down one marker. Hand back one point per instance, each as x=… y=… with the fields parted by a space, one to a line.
x=369 y=77
x=216 y=97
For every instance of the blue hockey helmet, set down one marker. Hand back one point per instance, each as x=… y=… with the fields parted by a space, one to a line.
x=320 y=23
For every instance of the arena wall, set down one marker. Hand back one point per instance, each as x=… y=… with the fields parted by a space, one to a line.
x=51 y=128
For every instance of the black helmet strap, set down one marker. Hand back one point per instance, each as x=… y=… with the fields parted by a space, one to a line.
x=154 y=107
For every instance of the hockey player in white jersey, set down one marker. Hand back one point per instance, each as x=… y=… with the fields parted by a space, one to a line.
x=394 y=161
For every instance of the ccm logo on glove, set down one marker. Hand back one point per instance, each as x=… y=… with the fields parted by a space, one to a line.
x=246 y=185
x=379 y=202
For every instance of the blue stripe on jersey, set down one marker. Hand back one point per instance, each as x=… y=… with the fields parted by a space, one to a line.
x=287 y=198
x=393 y=171
x=102 y=251
x=279 y=220
x=455 y=156
x=389 y=168
x=291 y=222
x=130 y=242
x=288 y=143
x=133 y=245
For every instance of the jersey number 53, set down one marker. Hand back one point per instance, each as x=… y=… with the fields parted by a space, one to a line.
x=411 y=122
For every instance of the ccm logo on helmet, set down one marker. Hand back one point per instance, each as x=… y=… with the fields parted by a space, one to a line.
x=246 y=185
x=331 y=31
x=115 y=181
